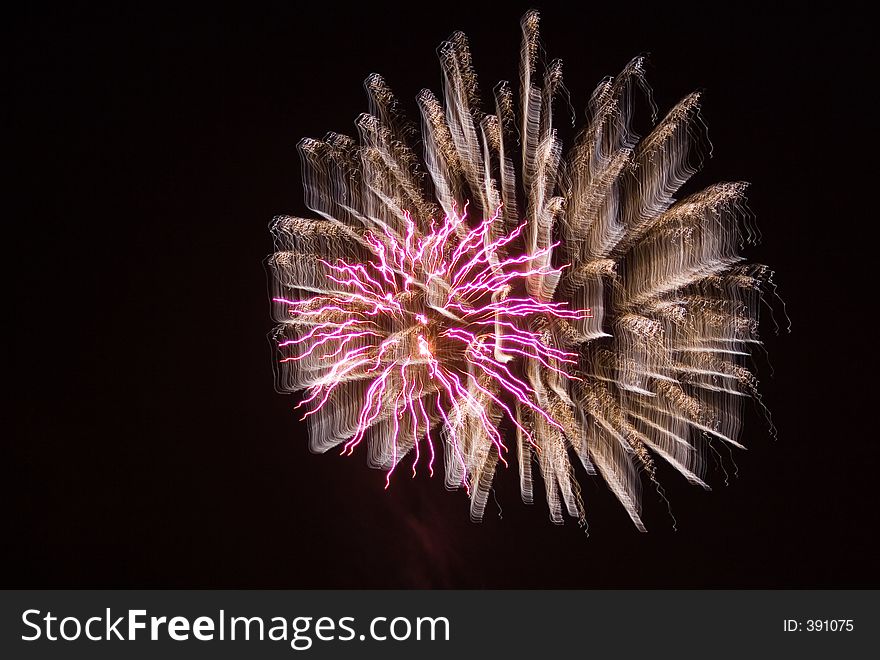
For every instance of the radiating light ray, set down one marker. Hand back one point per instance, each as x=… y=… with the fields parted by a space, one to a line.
x=455 y=371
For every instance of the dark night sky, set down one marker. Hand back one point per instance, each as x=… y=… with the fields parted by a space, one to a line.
x=152 y=146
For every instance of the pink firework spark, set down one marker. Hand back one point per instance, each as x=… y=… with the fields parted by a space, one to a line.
x=433 y=318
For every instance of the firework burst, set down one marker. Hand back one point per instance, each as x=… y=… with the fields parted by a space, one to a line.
x=431 y=300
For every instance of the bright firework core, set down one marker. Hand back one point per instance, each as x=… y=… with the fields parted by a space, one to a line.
x=437 y=321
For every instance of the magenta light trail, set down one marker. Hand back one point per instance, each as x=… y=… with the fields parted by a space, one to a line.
x=461 y=332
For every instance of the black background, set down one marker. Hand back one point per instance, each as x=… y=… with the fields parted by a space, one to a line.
x=151 y=146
